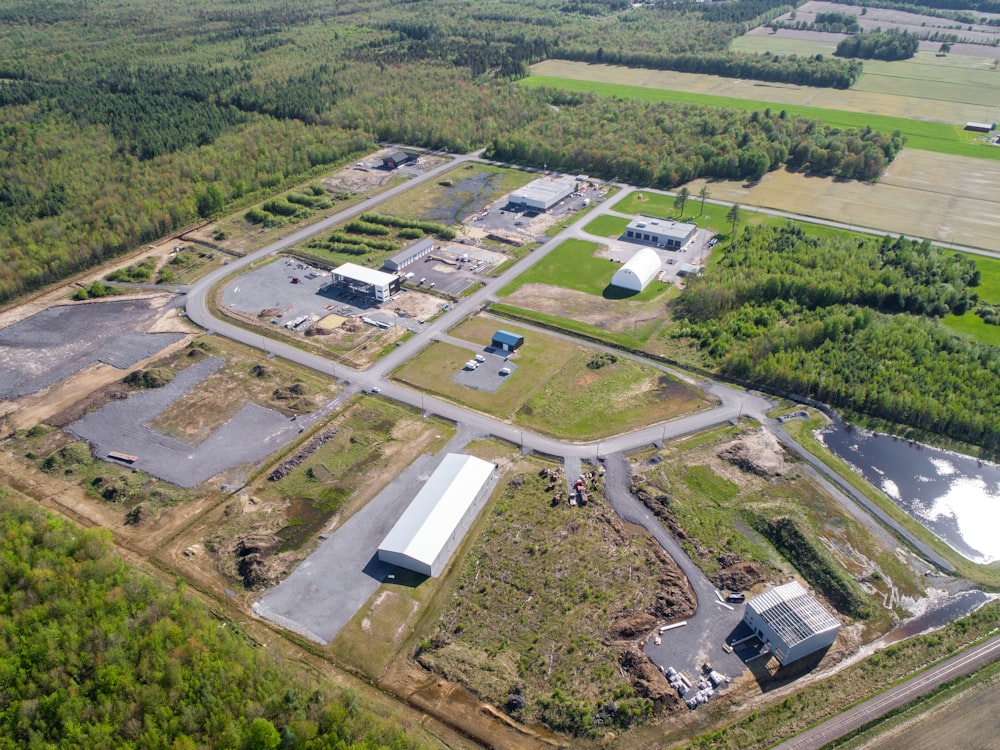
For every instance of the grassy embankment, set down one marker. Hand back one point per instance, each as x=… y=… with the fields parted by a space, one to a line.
x=723 y=508
x=559 y=388
x=930 y=136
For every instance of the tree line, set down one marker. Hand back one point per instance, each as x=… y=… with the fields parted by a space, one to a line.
x=664 y=145
x=97 y=654
x=850 y=322
x=879 y=45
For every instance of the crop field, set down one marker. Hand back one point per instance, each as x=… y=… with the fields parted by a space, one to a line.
x=573 y=265
x=947 y=199
x=962 y=714
x=559 y=388
x=927 y=124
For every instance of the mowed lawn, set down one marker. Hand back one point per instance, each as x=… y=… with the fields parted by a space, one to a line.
x=556 y=389
x=854 y=109
x=573 y=265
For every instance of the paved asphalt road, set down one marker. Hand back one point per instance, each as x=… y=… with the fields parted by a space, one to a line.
x=732 y=401
x=896 y=696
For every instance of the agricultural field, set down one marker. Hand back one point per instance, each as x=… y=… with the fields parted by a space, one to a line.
x=965 y=710
x=559 y=388
x=928 y=124
x=948 y=199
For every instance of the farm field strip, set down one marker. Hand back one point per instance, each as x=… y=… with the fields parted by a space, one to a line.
x=853 y=111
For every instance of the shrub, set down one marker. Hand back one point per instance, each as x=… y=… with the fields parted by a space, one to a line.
x=153 y=378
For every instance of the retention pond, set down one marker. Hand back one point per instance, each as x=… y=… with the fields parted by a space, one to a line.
x=955 y=496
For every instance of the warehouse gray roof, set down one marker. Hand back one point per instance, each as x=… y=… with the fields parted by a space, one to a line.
x=793 y=613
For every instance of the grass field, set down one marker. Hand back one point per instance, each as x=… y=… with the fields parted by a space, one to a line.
x=559 y=388
x=607 y=226
x=948 y=199
x=573 y=265
x=844 y=109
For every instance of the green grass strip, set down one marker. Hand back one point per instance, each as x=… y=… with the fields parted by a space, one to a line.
x=927 y=136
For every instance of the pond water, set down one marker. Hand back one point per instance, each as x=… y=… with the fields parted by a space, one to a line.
x=955 y=496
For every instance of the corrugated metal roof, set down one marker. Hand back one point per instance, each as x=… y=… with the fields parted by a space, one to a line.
x=506 y=337
x=544 y=189
x=414 y=248
x=432 y=517
x=793 y=613
x=644 y=265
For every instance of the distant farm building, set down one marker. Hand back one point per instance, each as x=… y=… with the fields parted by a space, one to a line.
x=672 y=235
x=543 y=193
x=397 y=159
x=506 y=341
x=791 y=622
x=409 y=254
x=431 y=528
x=375 y=285
x=980 y=127
x=640 y=269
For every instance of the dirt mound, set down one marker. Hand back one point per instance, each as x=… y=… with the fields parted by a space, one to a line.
x=739 y=576
x=648 y=682
x=252 y=561
x=633 y=626
x=758 y=452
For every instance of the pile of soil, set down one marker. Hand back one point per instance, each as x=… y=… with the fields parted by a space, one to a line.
x=648 y=682
x=255 y=561
x=758 y=452
x=739 y=575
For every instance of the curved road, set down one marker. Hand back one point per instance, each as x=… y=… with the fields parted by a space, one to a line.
x=732 y=403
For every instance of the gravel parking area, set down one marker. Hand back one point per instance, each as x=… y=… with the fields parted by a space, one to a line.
x=487 y=376
x=250 y=436
x=56 y=343
x=334 y=582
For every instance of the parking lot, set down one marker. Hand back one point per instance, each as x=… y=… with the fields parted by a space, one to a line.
x=488 y=375
x=289 y=291
x=515 y=221
x=56 y=343
x=121 y=426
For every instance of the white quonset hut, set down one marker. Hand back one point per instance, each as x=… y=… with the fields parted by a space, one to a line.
x=543 y=193
x=409 y=254
x=791 y=620
x=378 y=285
x=640 y=269
x=431 y=528
x=672 y=235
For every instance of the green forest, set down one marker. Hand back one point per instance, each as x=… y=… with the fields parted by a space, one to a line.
x=99 y=655
x=123 y=124
x=851 y=322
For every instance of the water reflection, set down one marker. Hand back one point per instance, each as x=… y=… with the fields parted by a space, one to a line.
x=957 y=497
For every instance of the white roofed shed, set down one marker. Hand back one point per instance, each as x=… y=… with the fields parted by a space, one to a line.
x=791 y=620
x=431 y=528
x=640 y=269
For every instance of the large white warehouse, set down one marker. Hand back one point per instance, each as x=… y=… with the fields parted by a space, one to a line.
x=543 y=193
x=365 y=281
x=640 y=269
x=791 y=620
x=431 y=528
